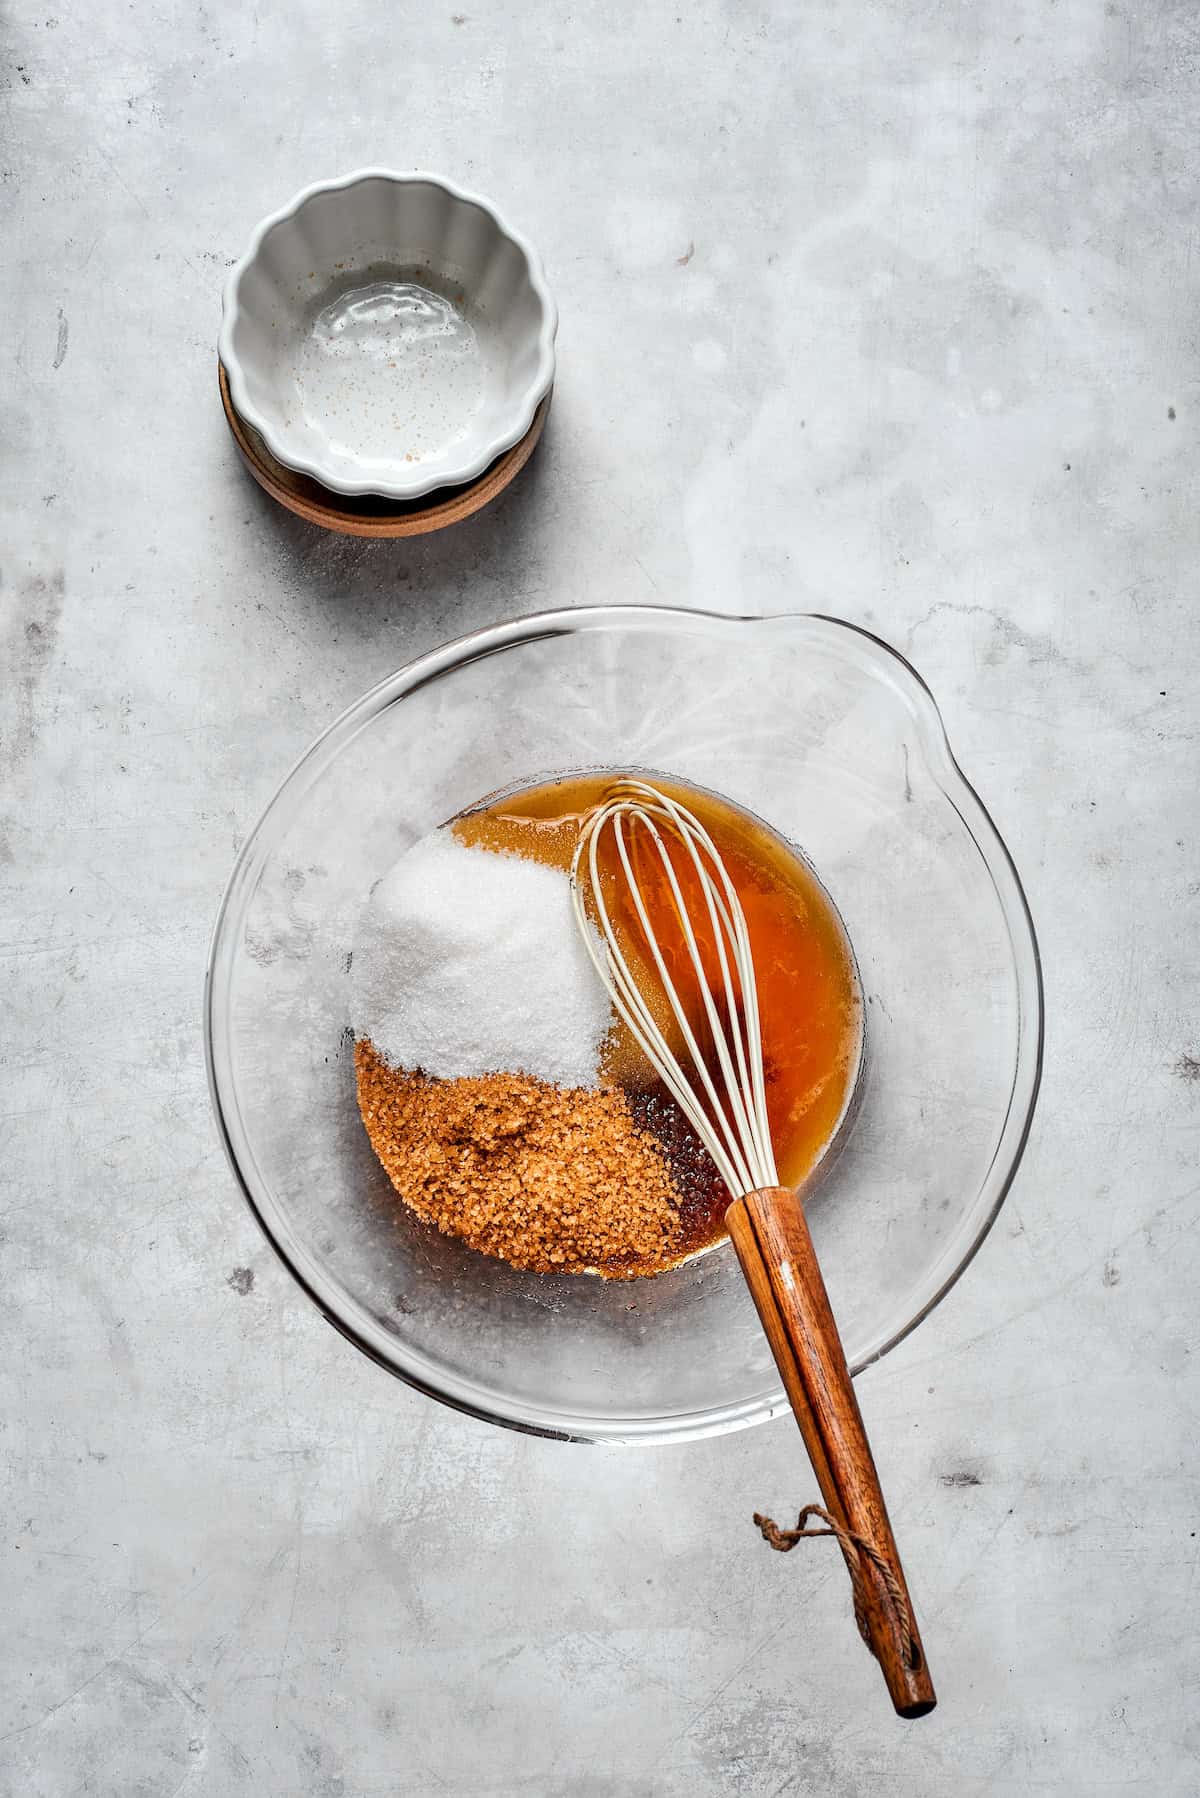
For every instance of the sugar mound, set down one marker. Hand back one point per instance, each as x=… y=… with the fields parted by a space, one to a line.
x=469 y=962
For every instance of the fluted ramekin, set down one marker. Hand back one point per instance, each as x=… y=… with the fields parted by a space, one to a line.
x=366 y=395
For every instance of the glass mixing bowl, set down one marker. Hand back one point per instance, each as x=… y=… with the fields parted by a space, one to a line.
x=831 y=737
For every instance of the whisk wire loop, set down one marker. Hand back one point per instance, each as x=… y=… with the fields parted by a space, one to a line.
x=627 y=998
x=733 y=1131
x=729 y=1113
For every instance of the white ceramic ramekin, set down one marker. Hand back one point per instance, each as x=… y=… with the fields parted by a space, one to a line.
x=388 y=334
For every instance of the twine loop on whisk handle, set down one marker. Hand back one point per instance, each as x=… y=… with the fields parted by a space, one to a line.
x=854 y=1549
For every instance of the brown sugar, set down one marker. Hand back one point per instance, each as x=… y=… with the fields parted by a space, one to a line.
x=548 y=1178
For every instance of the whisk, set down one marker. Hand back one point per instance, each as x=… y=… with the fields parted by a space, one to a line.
x=722 y=1093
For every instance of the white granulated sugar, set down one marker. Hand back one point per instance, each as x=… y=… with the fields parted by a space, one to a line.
x=470 y=962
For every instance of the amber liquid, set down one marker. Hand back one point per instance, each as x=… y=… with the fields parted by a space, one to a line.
x=808 y=996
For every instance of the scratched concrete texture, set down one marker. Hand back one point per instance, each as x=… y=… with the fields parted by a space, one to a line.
x=889 y=311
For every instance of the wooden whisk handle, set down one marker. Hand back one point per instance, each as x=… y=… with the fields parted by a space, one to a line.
x=769 y=1232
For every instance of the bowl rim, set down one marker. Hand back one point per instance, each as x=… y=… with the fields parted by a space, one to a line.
x=473 y=1397
x=413 y=486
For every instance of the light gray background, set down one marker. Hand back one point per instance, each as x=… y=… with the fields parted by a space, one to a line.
x=888 y=310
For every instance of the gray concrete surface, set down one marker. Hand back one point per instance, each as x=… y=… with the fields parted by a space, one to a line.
x=886 y=310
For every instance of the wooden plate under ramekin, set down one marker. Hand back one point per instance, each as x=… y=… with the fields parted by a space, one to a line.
x=370 y=515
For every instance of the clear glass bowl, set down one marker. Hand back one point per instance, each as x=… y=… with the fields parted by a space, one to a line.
x=829 y=735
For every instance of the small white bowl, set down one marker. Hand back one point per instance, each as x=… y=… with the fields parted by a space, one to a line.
x=388 y=334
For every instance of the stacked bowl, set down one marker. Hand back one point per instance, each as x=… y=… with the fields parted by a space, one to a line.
x=387 y=351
